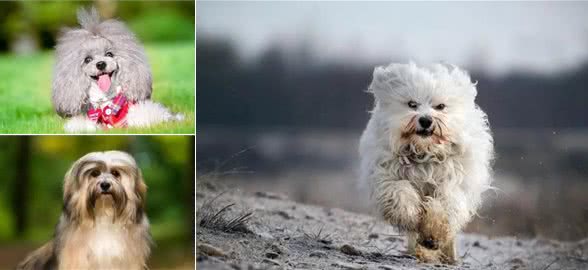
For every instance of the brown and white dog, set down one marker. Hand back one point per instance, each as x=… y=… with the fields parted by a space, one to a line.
x=103 y=224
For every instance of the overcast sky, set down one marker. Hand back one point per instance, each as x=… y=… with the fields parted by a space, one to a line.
x=542 y=37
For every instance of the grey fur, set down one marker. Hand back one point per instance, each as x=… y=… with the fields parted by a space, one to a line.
x=71 y=78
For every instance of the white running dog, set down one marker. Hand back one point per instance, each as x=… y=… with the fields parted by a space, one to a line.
x=427 y=153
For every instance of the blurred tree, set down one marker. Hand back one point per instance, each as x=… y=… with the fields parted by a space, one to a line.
x=189 y=190
x=26 y=26
x=20 y=203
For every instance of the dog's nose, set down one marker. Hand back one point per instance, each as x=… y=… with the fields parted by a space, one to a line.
x=425 y=121
x=104 y=186
x=101 y=65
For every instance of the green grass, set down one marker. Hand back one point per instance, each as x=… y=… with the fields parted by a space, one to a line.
x=25 y=91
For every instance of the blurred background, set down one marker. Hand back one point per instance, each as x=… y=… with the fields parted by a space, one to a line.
x=31 y=194
x=29 y=26
x=283 y=102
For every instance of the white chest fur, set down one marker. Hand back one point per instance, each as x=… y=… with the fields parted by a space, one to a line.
x=97 y=96
x=104 y=244
x=107 y=241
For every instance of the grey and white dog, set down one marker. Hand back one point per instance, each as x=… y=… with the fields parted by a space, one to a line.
x=96 y=62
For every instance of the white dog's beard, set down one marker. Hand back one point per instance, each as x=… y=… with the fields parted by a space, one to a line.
x=425 y=150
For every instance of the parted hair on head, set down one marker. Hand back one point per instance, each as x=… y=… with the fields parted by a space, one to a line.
x=111 y=173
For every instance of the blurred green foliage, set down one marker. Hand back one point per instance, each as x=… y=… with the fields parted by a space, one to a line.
x=162 y=25
x=167 y=163
x=152 y=21
x=25 y=91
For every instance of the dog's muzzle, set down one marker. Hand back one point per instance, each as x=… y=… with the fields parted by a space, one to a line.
x=105 y=187
x=425 y=126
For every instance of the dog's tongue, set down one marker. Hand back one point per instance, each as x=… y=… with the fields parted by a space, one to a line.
x=104 y=82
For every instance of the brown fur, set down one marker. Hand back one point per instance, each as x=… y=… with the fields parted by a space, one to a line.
x=99 y=230
x=435 y=241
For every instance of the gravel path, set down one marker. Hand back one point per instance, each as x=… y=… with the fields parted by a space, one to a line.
x=282 y=234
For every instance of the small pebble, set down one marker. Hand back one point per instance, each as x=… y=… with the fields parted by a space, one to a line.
x=517 y=261
x=325 y=241
x=272 y=255
x=270 y=261
x=318 y=254
x=350 y=250
x=376 y=254
x=284 y=214
x=345 y=265
x=387 y=267
x=211 y=250
x=277 y=249
x=269 y=195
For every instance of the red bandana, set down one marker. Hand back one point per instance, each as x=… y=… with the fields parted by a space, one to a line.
x=113 y=114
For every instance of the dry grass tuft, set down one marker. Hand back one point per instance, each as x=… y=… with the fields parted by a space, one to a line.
x=208 y=216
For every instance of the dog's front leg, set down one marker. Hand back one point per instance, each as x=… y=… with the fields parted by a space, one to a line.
x=399 y=203
x=458 y=214
x=436 y=237
x=80 y=124
x=448 y=252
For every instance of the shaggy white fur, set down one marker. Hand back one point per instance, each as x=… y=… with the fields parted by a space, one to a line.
x=147 y=112
x=427 y=153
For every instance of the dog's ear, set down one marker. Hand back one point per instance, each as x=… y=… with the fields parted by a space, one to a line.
x=393 y=81
x=141 y=194
x=135 y=77
x=381 y=84
x=134 y=71
x=140 y=186
x=386 y=81
x=70 y=181
x=70 y=84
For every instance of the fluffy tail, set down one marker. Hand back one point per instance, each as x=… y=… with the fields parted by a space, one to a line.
x=41 y=259
x=146 y=113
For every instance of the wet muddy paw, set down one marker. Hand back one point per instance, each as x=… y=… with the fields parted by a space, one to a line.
x=428 y=242
x=426 y=255
x=434 y=231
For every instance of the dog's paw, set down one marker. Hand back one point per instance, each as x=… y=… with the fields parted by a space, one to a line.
x=438 y=255
x=447 y=259
x=80 y=125
x=178 y=117
x=427 y=255
x=428 y=242
x=434 y=230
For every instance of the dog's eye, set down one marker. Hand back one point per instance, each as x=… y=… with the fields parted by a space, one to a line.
x=115 y=173
x=440 y=107
x=412 y=104
x=88 y=59
x=95 y=173
x=109 y=54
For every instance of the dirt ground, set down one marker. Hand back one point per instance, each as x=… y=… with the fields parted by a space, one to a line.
x=282 y=234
